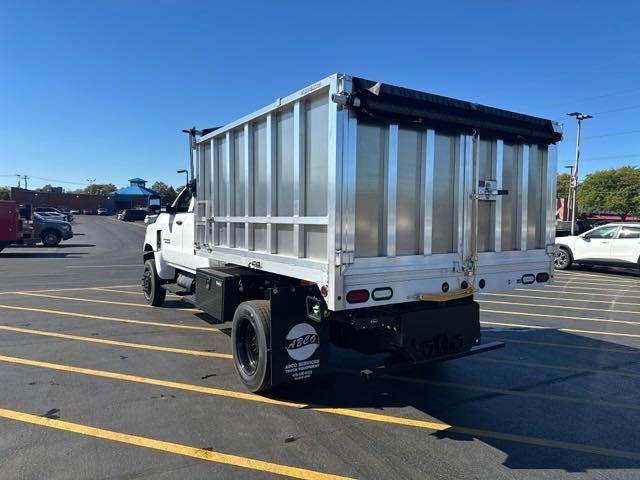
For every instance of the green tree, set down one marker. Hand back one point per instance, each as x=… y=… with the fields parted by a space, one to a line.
x=563 y=182
x=615 y=190
x=47 y=188
x=167 y=193
x=96 y=188
x=5 y=193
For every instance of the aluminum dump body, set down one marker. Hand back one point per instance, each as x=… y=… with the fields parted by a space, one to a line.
x=357 y=185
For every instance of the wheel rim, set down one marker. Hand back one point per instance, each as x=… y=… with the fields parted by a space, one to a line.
x=50 y=239
x=248 y=351
x=561 y=259
x=146 y=283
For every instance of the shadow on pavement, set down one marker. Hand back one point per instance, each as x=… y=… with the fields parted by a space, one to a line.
x=38 y=255
x=469 y=411
x=71 y=245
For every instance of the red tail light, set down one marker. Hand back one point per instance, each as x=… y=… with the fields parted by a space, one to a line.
x=542 y=277
x=358 y=296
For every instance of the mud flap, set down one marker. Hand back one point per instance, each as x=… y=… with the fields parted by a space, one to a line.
x=299 y=334
x=433 y=332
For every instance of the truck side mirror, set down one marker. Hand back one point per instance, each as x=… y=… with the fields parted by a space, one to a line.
x=192 y=186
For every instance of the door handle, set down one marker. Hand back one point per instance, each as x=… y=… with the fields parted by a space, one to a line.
x=179 y=222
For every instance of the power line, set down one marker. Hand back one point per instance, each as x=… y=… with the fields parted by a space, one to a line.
x=622 y=109
x=612 y=134
x=630 y=155
x=604 y=95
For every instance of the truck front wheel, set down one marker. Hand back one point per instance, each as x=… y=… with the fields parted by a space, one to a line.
x=251 y=340
x=152 y=285
x=50 y=238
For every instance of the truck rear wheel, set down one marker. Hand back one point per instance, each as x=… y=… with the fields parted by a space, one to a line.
x=251 y=340
x=151 y=284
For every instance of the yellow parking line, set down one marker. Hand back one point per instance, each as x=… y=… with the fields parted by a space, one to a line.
x=139 y=292
x=587 y=288
x=66 y=289
x=570 y=330
x=108 y=302
x=176 y=448
x=563 y=299
x=602 y=276
x=608 y=295
x=582 y=282
x=569 y=317
x=142 y=346
x=568 y=307
x=109 y=319
x=510 y=392
x=106 y=266
x=631 y=351
x=374 y=417
x=519 y=363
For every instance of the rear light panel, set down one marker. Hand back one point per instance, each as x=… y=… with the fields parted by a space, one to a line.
x=358 y=296
x=542 y=277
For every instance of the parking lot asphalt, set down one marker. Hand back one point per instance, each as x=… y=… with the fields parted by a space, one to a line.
x=94 y=384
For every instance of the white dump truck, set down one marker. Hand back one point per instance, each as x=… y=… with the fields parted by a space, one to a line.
x=359 y=214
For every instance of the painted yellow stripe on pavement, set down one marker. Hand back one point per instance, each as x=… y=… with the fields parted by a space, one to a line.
x=575 y=281
x=566 y=317
x=630 y=351
x=562 y=299
x=571 y=330
x=510 y=392
x=139 y=292
x=169 y=447
x=109 y=319
x=564 y=287
x=612 y=296
x=613 y=276
x=568 y=307
x=374 y=417
x=92 y=300
x=67 y=289
x=142 y=346
x=520 y=363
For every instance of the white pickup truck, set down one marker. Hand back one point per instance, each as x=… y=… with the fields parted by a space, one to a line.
x=360 y=214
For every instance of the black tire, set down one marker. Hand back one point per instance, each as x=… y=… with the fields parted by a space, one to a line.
x=251 y=341
x=154 y=294
x=50 y=238
x=563 y=259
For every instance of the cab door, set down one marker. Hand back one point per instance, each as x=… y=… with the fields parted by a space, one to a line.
x=595 y=245
x=172 y=241
x=626 y=246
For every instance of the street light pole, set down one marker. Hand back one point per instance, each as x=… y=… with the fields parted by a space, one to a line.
x=574 y=173
x=568 y=205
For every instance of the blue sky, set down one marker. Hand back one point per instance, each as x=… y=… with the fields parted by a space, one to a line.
x=101 y=89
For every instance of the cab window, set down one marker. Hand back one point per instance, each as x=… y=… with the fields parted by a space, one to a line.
x=603 y=232
x=183 y=202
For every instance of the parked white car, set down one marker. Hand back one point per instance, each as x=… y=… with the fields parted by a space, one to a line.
x=614 y=244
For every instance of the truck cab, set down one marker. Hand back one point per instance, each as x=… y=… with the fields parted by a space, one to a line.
x=169 y=241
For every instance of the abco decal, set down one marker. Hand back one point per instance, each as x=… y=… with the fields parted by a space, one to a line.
x=302 y=341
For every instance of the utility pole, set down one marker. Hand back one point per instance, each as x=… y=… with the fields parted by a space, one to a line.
x=25 y=181
x=569 y=192
x=574 y=173
x=19 y=178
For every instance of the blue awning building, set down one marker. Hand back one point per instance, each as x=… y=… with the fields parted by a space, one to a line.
x=136 y=195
